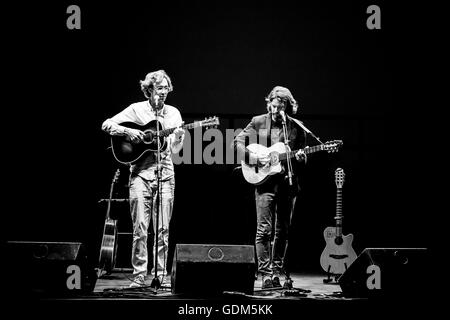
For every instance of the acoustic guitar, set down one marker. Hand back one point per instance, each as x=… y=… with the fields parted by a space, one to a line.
x=127 y=152
x=108 y=250
x=338 y=254
x=255 y=174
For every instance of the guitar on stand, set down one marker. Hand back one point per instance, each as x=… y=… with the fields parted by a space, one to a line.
x=338 y=254
x=108 y=250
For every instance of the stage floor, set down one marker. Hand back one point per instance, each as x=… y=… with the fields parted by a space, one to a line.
x=306 y=286
x=112 y=297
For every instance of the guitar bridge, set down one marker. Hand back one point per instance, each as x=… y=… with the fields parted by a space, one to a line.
x=338 y=256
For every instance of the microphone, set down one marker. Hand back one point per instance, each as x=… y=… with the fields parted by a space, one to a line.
x=283 y=115
x=156 y=99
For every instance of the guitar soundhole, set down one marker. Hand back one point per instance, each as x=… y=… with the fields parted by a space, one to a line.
x=148 y=137
x=40 y=251
x=215 y=254
x=338 y=241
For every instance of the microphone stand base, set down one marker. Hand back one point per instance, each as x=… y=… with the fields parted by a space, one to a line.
x=156 y=284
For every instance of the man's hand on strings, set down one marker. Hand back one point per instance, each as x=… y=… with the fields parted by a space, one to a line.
x=300 y=155
x=134 y=134
x=259 y=160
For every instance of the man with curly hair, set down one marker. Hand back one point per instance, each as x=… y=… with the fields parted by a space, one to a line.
x=143 y=176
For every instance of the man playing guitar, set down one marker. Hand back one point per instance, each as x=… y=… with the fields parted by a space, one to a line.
x=143 y=174
x=276 y=196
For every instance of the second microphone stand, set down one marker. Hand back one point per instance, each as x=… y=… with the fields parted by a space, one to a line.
x=156 y=284
x=286 y=143
x=289 y=167
x=288 y=150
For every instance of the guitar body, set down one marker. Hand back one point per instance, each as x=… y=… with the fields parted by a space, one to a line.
x=108 y=250
x=258 y=175
x=125 y=151
x=277 y=153
x=338 y=254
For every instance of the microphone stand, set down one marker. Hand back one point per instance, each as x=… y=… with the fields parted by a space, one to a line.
x=308 y=131
x=288 y=150
x=156 y=284
x=289 y=165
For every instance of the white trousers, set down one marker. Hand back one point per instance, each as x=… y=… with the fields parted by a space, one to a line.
x=143 y=206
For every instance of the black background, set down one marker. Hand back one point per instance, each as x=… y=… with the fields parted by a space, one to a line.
x=363 y=86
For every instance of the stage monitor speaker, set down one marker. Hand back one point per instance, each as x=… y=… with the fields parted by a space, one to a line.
x=210 y=269
x=48 y=268
x=385 y=272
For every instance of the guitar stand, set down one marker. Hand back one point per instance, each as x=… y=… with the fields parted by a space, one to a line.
x=329 y=275
x=328 y=280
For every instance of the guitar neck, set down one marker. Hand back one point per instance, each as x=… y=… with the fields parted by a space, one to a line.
x=307 y=150
x=111 y=189
x=109 y=202
x=188 y=126
x=339 y=212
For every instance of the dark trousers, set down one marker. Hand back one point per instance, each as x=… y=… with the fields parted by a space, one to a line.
x=275 y=204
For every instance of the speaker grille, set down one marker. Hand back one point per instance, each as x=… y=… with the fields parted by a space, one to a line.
x=215 y=254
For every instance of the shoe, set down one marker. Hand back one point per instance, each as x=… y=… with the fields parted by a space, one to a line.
x=165 y=281
x=138 y=281
x=288 y=284
x=276 y=282
x=266 y=283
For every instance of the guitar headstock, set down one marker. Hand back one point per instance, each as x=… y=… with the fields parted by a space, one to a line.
x=339 y=176
x=332 y=146
x=116 y=176
x=211 y=122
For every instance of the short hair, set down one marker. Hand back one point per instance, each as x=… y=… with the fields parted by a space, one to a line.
x=285 y=95
x=152 y=78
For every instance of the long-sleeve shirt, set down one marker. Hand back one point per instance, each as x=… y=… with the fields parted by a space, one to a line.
x=141 y=113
